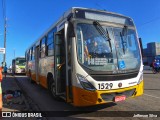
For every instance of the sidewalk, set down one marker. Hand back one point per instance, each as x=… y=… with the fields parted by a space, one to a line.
x=17 y=101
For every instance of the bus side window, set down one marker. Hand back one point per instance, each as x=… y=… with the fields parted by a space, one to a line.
x=30 y=54
x=50 y=43
x=43 y=47
x=33 y=53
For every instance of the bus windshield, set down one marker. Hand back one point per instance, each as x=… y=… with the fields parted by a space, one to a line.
x=20 y=62
x=106 y=48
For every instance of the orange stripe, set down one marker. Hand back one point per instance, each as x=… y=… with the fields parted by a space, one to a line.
x=83 y=97
x=43 y=81
x=34 y=77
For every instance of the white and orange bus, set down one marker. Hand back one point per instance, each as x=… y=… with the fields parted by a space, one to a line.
x=88 y=57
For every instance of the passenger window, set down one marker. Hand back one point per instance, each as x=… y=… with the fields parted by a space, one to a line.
x=43 y=47
x=33 y=52
x=50 y=44
x=30 y=54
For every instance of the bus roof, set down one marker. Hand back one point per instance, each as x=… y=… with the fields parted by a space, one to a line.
x=19 y=57
x=68 y=13
x=103 y=11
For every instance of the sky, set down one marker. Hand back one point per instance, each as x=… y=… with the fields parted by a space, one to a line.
x=28 y=19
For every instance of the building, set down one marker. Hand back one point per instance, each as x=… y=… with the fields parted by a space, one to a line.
x=149 y=53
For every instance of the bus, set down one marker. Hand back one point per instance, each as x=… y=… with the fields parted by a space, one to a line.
x=18 y=65
x=88 y=57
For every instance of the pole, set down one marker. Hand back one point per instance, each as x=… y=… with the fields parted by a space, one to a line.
x=5 y=26
x=4 y=56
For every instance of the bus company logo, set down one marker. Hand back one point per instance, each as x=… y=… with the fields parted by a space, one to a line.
x=119 y=84
x=6 y=114
x=19 y=114
x=119 y=71
x=132 y=83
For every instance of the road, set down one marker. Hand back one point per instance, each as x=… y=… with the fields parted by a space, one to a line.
x=149 y=101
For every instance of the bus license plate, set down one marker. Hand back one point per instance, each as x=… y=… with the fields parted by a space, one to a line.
x=120 y=98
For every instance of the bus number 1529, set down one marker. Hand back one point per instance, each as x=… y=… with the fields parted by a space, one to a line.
x=103 y=86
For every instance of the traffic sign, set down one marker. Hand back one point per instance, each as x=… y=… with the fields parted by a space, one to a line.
x=2 y=50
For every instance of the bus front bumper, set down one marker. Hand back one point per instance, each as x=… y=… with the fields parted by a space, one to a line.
x=83 y=97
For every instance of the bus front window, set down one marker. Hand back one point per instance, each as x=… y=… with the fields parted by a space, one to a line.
x=127 y=49
x=94 y=49
x=103 y=48
x=20 y=62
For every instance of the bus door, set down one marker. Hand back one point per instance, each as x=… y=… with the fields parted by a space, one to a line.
x=69 y=37
x=60 y=64
x=37 y=63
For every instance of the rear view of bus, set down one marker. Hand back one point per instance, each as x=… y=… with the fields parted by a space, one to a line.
x=108 y=62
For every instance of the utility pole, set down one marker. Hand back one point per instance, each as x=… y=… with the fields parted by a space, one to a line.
x=5 y=27
x=4 y=56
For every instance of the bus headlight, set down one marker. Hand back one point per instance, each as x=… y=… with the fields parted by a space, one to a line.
x=140 y=79
x=85 y=84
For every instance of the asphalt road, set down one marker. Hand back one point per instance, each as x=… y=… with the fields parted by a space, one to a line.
x=148 y=102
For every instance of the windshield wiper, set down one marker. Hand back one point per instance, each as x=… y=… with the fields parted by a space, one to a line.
x=122 y=43
x=103 y=32
x=123 y=33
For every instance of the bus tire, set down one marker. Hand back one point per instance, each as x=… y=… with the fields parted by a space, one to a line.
x=51 y=87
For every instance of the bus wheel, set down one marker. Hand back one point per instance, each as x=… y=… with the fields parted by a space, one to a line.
x=52 y=87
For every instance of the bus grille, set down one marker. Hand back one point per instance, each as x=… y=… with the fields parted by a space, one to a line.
x=114 y=77
x=111 y=96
